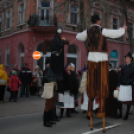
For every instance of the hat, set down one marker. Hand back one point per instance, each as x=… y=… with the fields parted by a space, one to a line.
x=59 y=30
x=14 y=72
x=94 y=18
x=129 y=55
x=84 y=69
x=72 y=64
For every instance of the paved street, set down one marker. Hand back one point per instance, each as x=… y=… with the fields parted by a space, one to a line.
x=25 y=117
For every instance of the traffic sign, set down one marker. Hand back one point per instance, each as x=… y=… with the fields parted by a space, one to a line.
x=36 y=55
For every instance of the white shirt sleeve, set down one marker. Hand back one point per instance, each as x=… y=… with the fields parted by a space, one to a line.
x=113 y=33
x=82 y=36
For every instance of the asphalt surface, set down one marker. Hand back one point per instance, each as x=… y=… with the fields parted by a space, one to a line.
x=26 y=117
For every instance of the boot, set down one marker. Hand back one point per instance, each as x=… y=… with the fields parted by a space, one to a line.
x=127 y=113
x=51 y=118
x=61 y=113
x=54 y=116
x=68 y=113
x=118 y=116
x=45 y=119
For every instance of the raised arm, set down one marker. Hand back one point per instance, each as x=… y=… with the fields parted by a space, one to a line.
x=82 y=36
x=110 y=33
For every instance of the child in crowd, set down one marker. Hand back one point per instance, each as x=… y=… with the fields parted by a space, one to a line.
x=13 y=85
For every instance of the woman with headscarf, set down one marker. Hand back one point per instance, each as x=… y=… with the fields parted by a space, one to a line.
x=70 y=86
x=38 y=73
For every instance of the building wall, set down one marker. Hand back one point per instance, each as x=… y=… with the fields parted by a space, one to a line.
x=22 y=34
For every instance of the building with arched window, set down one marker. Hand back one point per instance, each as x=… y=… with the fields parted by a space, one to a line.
x=24 y=38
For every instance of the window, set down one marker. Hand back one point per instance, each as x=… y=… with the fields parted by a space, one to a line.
x=115 y=23
x=74 y=15
x=0 y=24
x=0 y=56
x=22 y=55
x=72 y=55
x=45 y=13
x=41 y=61
x=114 y=59
x=7 y=56
x=21 y=13
x=8 y=19
x=130 y=30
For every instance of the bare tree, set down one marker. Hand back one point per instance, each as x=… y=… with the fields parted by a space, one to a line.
x=127 y=4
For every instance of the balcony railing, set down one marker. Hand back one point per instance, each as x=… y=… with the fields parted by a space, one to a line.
x=35 y=20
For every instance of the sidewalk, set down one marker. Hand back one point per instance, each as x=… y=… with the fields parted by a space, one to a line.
x=25 y=105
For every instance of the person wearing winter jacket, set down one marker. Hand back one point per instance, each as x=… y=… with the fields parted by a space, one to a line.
x=13 y=85
x=3 y=82
x=26 y=79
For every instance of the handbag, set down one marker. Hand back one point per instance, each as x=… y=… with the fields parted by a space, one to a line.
x=116 y=94
x=83 y=84
x=48 y=90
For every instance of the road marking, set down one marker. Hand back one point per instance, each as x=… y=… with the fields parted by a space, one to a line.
x=100 y=129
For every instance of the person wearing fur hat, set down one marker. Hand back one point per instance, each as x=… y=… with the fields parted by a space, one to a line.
x=125 y=82
x=98 y=62
x=38 y=73
x=13 y=85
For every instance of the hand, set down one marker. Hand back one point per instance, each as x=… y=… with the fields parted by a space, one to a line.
x=117 y=88
x=125 y=27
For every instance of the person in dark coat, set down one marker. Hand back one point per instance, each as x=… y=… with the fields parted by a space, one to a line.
x=70 y=85
x=49 y=116
x=126 y=79
x=26 y=79
x=111 y=102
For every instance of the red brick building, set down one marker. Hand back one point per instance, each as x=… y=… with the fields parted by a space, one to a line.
x=18 y=40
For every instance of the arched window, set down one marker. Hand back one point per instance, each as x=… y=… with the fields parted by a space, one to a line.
x=41 y=61
x=7 y=56
x=72 y=55
x=114 y=58
x=0 y=56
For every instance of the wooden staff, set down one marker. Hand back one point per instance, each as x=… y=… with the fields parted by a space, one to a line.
x=91 y=122
x=103 y=125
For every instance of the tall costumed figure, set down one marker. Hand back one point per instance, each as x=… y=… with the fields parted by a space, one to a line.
x=97 y=75
x=54 y=74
